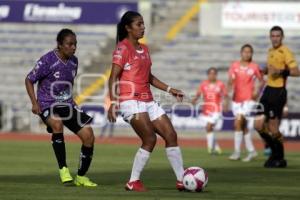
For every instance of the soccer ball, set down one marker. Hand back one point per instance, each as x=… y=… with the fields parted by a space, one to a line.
x=195 y=179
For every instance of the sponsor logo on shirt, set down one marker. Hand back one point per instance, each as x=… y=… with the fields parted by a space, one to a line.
x=56 y=75
x=61 y=12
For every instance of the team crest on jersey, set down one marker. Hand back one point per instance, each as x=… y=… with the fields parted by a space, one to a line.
x=127 y=66
x=250 y=72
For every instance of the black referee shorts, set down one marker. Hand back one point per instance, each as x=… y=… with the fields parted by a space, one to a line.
x=272 y=102
x=71 y=116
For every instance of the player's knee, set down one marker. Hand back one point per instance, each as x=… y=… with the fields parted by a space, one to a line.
x=171 y=139
x=258 y=126
x=150 y=140
x=88 y=137
x=57 y=127
x=238 y=124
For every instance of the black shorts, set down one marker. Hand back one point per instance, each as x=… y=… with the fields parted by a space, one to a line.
x=72 y=117
x=272 y=102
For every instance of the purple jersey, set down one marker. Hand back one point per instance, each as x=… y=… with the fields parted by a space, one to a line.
x=55 y=79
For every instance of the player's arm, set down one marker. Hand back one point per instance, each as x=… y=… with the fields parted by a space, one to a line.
x=225 y=97
x=30 y=91
x=112 y=85
x=259 y=84
x=162 y=86
x=197 y=96
x=229 y=87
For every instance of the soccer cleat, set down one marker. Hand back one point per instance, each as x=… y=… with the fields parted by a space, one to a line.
x=250 y=156
x=281 y=163
x=65 y=175
x=84 y=181
x=218 y=150
x=180 y=186
x=136 y=186
x=235 y=156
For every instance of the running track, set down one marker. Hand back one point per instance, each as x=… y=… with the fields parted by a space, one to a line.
x=184 y=142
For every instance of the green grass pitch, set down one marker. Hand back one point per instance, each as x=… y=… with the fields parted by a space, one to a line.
x=28 y=171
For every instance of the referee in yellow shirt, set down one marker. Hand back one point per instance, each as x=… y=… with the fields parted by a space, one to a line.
x=281 y=64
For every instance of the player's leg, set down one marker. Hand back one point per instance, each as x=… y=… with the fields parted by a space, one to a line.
x=78 y=122
x=260 y=126
x=276 y=110
x=87 y=138
x=165 y=129
x=238 y=137
x=210 y=137
x=249 y=145
x=142 y=125
x=55 y=127
x=212 y=144
x=278 y=149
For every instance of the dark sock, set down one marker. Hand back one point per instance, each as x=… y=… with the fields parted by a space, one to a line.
x=85 y=159
x=267 y=138
x=278 y=144
x=59 y=148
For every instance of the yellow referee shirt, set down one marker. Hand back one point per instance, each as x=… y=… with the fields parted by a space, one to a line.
x=280 y=58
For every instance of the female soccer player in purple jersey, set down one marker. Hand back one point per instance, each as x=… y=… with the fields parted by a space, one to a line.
x=55 y=72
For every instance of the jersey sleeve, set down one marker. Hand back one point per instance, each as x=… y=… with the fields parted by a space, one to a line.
x=290 y=60
x=120 y=56
x=40 y=70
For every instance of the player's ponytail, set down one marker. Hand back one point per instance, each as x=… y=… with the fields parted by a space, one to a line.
x=126 y=20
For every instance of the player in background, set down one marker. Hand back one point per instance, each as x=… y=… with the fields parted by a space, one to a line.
x=243 y=75
x=131 y=65
x=281 y=63
x=213 y=91
x=55 y=72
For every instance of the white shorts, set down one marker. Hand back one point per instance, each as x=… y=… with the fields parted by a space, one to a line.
x=212 y=118
x=130 y=107
x=243 y=108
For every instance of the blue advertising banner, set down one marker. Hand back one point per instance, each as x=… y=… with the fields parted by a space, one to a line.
x=189 y=119
x=77 y=12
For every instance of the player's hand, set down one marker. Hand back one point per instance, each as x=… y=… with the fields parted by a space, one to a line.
x=177 y=93
x=112 y=113
x=36 y=109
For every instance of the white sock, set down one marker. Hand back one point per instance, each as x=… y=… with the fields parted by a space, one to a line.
x=210 y=137
x=238 y=139
x=248 y=142
x=217 y=146
x=175 y=158
x=140 y=160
